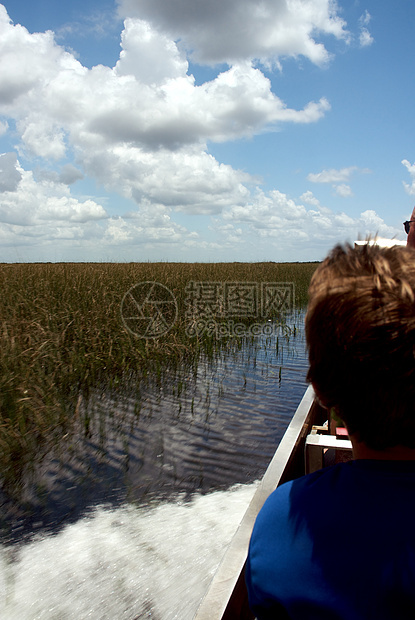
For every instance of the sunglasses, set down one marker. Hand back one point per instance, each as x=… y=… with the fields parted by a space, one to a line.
x=406 y=225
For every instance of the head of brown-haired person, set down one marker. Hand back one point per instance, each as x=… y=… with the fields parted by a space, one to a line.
x=409 y=226
x=360 y=330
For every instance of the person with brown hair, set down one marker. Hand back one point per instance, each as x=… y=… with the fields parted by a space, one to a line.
x=340 y=543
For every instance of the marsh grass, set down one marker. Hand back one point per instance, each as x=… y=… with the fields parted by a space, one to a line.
x=62 y=335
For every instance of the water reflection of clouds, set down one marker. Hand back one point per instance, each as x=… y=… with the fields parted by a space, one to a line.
x=194 y=432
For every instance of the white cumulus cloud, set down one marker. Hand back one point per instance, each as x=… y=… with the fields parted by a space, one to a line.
x=343 y=190
x=142 y=127
x=409 y=187
x=244 y=29
x=338 y=179
x=332 y=176
x=26 y=202
x=10 y=175
x=289 y=226
x=365 y=38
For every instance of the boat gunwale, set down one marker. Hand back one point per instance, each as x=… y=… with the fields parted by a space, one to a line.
x=225 y=597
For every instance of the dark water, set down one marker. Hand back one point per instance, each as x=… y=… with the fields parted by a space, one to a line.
x=192 y=433
x=130 y=519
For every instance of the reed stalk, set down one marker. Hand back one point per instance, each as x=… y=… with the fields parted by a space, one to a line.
x=61 y=335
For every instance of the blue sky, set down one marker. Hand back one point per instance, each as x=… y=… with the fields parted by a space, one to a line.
x=222 y=130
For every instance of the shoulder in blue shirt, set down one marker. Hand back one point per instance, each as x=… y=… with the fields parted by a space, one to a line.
x=338 y=543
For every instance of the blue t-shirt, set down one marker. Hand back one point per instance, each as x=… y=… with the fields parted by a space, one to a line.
x=337 y=544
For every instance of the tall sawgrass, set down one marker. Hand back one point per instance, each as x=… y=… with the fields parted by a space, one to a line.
x=61 y=334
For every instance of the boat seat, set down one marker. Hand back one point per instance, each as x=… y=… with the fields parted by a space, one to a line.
x=322 y=449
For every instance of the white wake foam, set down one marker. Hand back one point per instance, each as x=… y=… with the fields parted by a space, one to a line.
x=123 y=563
